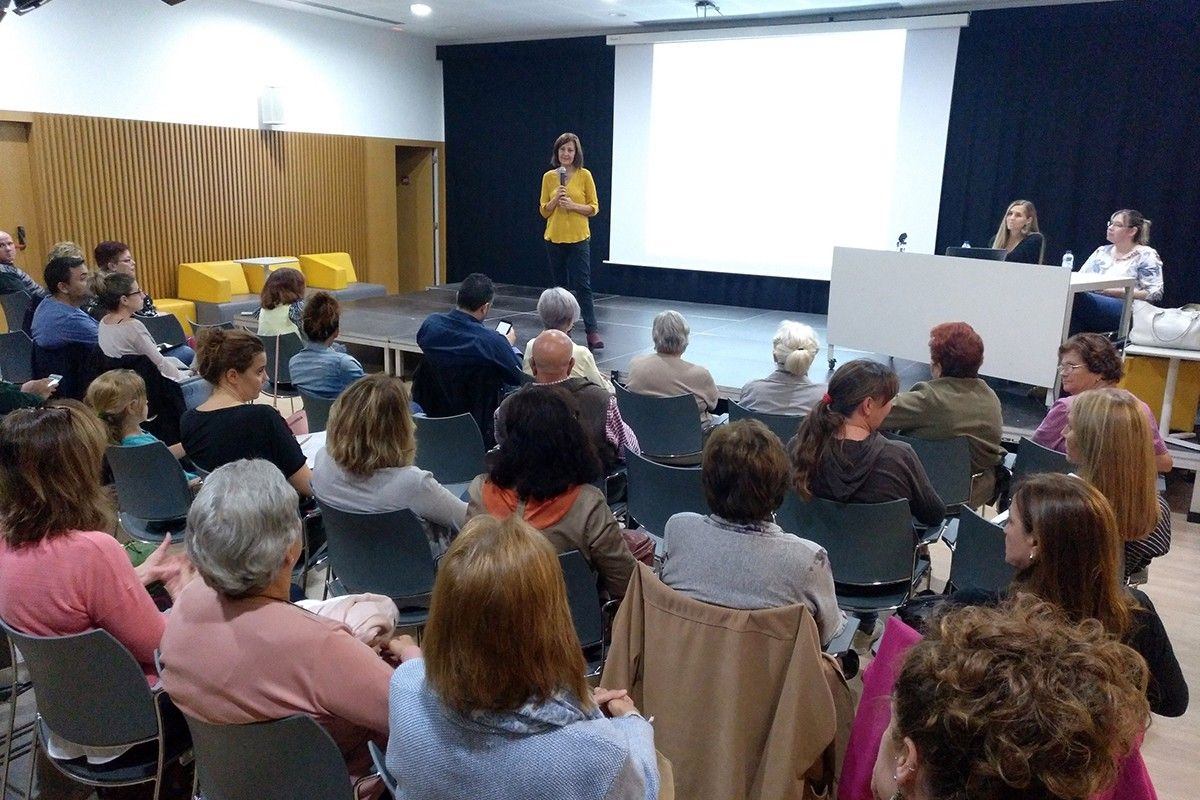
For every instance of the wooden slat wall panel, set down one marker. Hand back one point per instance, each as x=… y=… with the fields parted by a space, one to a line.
x=180 y=193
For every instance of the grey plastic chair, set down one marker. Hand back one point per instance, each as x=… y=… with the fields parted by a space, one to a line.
x=165 y=329
x=657 y=491
x=978 y=561
x=947 y=462
x=198 y=327
x=16 y=306
x=316 y=410
x=871 y=548
x=280 y=350
x=92 y=692
x=152 y=491
x=16 y=356
x=10 y=691
x=451 y=448
x=389 y=780
x=586 y=612
x=285 y=759
x=1032 y=458
x=782 y=425
x=666 y=427
x=386 y=554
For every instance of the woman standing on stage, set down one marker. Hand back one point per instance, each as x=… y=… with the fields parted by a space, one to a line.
x=1018 y=234
x=568 y=200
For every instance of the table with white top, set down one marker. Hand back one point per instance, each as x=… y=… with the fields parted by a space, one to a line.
x=310 y=445
x=886 y=302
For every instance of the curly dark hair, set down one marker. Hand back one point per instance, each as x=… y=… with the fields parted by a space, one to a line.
x=218 y=350
x=1018 y=701
x=1097 y=353
x=957 y=348
x=283 y=286
x=545 y=449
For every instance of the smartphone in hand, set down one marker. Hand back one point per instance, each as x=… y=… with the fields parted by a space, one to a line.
x=504 y=327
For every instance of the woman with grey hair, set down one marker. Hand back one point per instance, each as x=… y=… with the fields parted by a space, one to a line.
x=559 y=311
x=787 y=390
x=664 y=373
x=237 y=651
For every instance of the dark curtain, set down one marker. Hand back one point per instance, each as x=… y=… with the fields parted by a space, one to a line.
x=1084 y=110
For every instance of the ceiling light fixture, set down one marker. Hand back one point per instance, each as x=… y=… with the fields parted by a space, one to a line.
x=420 y=10
x=25 y=6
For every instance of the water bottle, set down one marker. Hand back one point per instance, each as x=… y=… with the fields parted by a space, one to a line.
x=1068 y=260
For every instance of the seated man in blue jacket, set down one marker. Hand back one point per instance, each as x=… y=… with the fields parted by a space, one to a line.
x=60 y=319
x=459 y=338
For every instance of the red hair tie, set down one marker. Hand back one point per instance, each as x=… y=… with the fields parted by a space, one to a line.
x=826 y=399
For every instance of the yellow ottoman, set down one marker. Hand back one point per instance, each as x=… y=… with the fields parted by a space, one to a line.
x=1146 y=378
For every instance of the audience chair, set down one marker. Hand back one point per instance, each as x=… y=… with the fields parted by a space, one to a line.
x=316 y=410
x=871 y=548
x=782 y=425
x=197 y=327
x=280 y=350
x=16 y=311
x=92 y=692
x=586 y=611
x=78 y=363
x=11 y=689
x=1032 y=458
x=165 y=329
x=667 y=428
x=978 y=561
x=451 y=448
x=447 y=390
x=657 y=491
x=947 y=462
x=389 y=780
x=152 y=492
x=745 y=705
x=386 y=554
x=16 y=356
x=283 y=759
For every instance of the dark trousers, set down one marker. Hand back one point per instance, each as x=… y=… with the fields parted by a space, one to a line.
x=1096 y=313
x=571 y=266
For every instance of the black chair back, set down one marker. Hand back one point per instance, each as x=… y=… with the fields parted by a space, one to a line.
x=1033 y=458
x=782 y=425
x=78 y=364
x=666 y=427
x=16 y=307
x=978 y=561
x=386 y=553
x=165 y=329
x=90 y=690
x=316 y=410
x=450 y=447
x=583 y=598
x=947 y=463
x=656 y=491
x=16 y=356
x=280 y=350
x=449 y=390
x=284 y=759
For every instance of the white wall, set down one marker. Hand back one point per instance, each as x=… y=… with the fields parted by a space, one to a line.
x=207 y=61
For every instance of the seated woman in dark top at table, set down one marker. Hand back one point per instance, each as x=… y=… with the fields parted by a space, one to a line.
x=1062 y=538
x=1018 y=234
x=229 y=425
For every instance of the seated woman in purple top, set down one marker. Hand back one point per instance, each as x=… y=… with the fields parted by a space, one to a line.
x=1089 y=361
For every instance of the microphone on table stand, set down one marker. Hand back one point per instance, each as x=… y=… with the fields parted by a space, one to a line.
x=902 y=242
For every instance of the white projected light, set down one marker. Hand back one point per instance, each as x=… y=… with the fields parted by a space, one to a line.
x=759 y=155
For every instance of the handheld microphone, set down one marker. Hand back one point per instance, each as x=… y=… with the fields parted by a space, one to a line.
x=562 y=176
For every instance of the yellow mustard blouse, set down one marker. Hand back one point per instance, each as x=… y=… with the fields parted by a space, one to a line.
x=562 y=226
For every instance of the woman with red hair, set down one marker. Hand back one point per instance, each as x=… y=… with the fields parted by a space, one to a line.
x=955 y=402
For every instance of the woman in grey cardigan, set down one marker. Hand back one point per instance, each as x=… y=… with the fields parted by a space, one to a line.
x=499 y=707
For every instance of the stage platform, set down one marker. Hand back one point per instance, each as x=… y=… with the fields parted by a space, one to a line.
x=733 y=342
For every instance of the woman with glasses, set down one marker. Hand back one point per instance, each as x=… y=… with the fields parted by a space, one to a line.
x=1127 y=255
x=1018 y=234
x=123 y=334
x=1089 y=361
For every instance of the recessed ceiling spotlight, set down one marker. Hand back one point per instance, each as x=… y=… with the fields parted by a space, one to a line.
x=420 y=10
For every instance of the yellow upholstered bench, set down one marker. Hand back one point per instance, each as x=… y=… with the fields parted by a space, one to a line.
x=328 y=270
x=218 y=289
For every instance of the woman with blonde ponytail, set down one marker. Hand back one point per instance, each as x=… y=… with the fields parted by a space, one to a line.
x=788 y=389
x=839 y=455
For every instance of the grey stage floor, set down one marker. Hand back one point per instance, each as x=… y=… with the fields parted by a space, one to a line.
x=733 y=342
